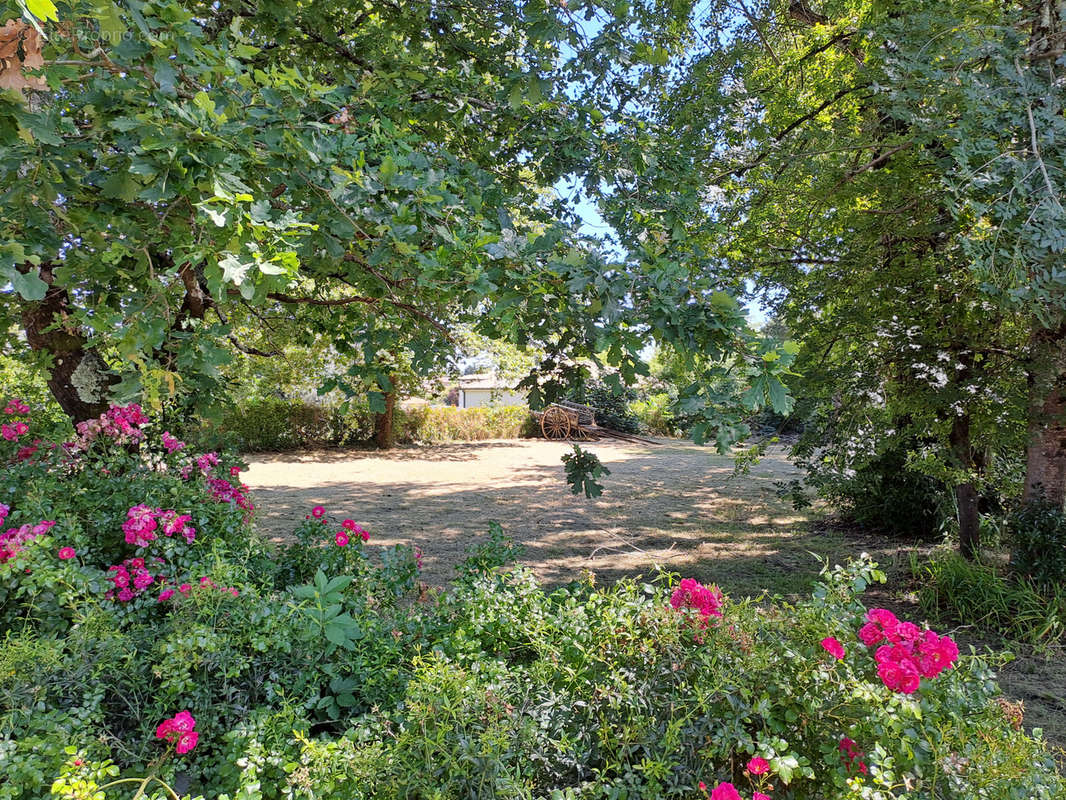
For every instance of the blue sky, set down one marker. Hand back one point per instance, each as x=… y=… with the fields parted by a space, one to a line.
x=592 y=224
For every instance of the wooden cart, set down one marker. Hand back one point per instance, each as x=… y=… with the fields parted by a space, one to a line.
x=575 y=421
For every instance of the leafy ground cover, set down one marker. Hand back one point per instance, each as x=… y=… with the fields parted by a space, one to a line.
x=154 y=643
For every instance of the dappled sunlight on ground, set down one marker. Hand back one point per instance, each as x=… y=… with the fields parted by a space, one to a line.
x=674 y=504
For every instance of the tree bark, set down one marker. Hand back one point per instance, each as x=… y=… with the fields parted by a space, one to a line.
x=1045 y=456
x=1045 y=461
x=383 y=434
x=78 y=380
x=966 y=492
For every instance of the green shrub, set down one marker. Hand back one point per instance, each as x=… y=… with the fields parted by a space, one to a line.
x=656 y=415
x=1037 y=533
x=611 y=404
x=274 y=424
x=312 y=669
x=878 y=492
x=436 y=424
x=969 y=592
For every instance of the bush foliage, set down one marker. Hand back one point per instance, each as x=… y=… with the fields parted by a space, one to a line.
x=266 y=423
x=962 y=591
x=321 y=668
x=1037 y=533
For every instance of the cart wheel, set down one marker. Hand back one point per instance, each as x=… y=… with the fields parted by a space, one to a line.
x=555 y=424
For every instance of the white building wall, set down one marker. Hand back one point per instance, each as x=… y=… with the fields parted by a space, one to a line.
x=476 y=398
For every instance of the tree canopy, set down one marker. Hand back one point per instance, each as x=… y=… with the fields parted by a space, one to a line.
x=377 y=173
x=887 y=178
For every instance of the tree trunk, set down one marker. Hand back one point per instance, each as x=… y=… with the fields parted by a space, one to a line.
x=78 y=380
x=383 y=421
x=966 y=492
x=1045 y=456
x=1045 y=461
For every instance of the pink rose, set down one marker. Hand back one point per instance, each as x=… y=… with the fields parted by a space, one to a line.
x=883 y=617
x=184 y=721
x=66 y=553
x=871 y=633
x=725 y=791
x=341 y=539
x=833 y=647
x=317 y=512
x=908 y=631
x=900 y=676
x=186 y=742
x=758 y=766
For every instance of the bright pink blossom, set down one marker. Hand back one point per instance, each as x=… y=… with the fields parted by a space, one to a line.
x=121 y=424
x=706 y=600
x=179 y=730
x=758 y=766
x=317 y=512
x=16 y=406
x=66 y=553
x=760 y=796
x=206 y=462
x=183 y=721
x=170 y=443
x=871 y=633
x=140 y=525
x=725 y=791
x=13 y=540
x=908 y=653
x=186 y=742
x=131 y=577
x=833 y=647
x=899 y=675
x=165 y=595
x=341 y=539
x=225 y=492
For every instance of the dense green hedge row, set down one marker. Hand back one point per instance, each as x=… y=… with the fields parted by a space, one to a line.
x=277 y=424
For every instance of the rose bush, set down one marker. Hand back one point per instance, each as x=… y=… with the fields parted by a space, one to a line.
x=321 y=669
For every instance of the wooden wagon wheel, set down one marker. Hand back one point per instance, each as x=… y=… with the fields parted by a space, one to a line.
x=555 y=423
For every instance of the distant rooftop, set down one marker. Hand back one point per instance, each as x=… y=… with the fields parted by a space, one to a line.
x=485 y=380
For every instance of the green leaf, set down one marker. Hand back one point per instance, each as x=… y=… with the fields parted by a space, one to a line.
x=43 y=9
x=336 y=634
x=203 y=101
x=111 y=25
x=28 y=284
x=337 y=584
x=121 y=186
